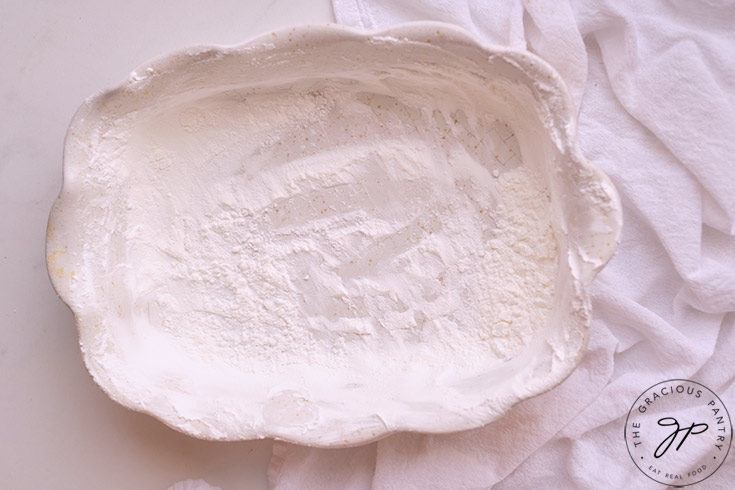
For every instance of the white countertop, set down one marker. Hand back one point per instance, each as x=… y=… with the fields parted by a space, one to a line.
x=59 y=430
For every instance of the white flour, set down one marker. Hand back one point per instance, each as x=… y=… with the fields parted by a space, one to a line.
x=411 y=235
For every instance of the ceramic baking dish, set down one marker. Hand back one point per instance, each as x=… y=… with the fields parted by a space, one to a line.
x=175 y=238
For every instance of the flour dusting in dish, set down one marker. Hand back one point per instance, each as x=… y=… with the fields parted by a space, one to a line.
x=335 y=226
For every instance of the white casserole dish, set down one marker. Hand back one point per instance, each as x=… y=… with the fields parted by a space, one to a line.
x=166 y=244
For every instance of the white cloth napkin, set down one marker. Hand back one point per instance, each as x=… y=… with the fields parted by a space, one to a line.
x=654 y=84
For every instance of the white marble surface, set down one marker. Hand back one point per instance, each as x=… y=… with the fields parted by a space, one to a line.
x=58 y=429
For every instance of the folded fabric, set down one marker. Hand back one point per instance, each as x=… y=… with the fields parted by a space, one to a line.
x=653 y=82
